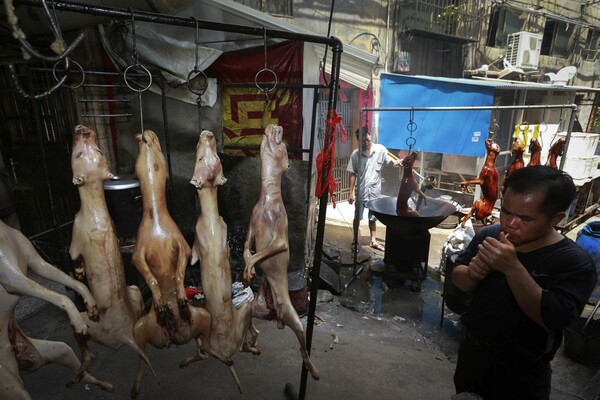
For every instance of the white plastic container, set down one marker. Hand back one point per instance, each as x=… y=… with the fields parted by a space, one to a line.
x=579 y=167
x=581 y=144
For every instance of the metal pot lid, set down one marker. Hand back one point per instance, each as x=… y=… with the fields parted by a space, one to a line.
x=121 y=183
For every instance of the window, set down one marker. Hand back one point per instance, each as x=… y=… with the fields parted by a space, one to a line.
x=502 y=23
x=275 y=7
x=556 y=38
x=592 y=42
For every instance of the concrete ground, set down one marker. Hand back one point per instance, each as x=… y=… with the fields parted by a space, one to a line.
x=402 y=353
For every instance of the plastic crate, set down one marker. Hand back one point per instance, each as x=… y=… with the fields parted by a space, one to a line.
x=581 y=144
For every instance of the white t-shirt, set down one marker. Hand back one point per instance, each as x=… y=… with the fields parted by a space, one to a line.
x=369 y=179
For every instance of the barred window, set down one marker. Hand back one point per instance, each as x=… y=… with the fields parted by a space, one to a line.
x=502 y=23
x=592 y=43
x=556 y=38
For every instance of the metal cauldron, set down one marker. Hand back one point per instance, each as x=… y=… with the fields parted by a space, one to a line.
x=582 y=339
x=123 y=199
x=431 y=214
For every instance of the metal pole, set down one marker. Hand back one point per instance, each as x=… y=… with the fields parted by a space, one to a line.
x=167 y=142
x=337 y=49
x=471 y=108
x=355 y=273
x=122 y=13
x=35 y=107
x=563 y=159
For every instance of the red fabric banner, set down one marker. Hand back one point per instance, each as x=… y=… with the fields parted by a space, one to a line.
x=245 y=113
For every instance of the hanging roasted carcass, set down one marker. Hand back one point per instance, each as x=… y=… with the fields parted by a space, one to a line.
x=161 y=256
x=488 y=180
x=408 y=185
x=95 y=250
x=268 y=235
x=518 y=149
x=556 y=150
x=535 y=151
x=18 y=352
x=230 y=324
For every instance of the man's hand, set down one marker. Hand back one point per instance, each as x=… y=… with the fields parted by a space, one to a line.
x=500 y=255
x=397 y=163
x=478 y=269
x=351 y=197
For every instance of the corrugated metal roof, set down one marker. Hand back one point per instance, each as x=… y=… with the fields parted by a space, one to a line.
x=504 y=84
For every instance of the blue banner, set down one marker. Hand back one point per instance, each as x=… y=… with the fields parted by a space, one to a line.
x=448 y=132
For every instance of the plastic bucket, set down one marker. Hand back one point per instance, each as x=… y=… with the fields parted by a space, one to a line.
x=588 y=239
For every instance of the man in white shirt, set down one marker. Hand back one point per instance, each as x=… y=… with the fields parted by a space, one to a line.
x=371 y=160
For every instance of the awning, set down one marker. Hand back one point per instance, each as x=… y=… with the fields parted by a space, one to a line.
x=356 y=65
x=448 y=132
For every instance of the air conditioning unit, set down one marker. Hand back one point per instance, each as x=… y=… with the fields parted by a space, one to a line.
x=524 y=50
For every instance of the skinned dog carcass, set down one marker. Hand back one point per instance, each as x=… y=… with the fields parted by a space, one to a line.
x=230 y=325
x=268 y=235
x=161 y=256
x=18 y=352
x=488 y=180
x=408 y=185
x=95 y=250
x=518 y=149
x=555 y=151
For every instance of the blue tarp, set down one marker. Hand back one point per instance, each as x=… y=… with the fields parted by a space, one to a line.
x=447 y=132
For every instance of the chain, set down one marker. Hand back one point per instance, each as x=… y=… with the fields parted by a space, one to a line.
x=411 y=127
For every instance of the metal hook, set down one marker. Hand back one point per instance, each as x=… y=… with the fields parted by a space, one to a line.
x=411 y=127
x=22 y=92
x=58 y=46
x=265 y=44
x=494 y=128
x=265 y=89
x=196 y=72
x=137 y=64
x=197 y=42
x=134 y=54
x=67 y=60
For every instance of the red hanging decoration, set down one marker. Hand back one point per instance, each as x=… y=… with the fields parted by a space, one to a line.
x=326 y=158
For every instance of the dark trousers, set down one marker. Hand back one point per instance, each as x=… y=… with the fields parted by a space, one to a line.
x=497 y=375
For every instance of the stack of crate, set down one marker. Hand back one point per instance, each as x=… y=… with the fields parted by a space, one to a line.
x=582 y=161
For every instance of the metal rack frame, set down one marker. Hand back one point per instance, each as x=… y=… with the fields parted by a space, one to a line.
x=336 y=48
x=572 y=107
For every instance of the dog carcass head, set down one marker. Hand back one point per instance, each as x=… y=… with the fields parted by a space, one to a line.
x=150 y=160
x=87 y=160
x=492 y=147
x=273 y=149
x=518 y=145
x=409 y=160
x=208 y=171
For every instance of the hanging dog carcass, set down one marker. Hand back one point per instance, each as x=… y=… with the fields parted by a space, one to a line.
x=95 y=250
x=517 y=163
x=535 y=150
x=488 y=180
x=230 y=324
x=161 y=256
x=18 y=352
x=408 y=185
x=268 y=235
x=555 y=151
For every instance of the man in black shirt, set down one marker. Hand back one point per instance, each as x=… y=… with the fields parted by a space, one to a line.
x=528 y=283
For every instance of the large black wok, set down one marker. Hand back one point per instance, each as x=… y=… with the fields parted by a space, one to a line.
x=431 y=214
